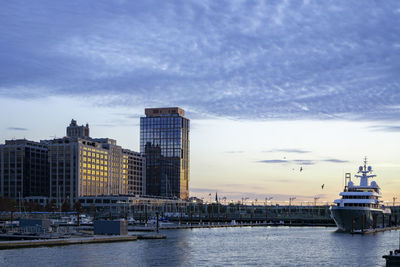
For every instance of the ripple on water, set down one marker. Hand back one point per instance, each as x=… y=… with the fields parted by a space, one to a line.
x=247 y=246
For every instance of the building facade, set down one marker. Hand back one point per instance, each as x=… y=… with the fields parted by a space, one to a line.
x=23 y=169
x=69 y=168
x=164 y=139
x=81 y=166
x=135 y=170
x=86 y=167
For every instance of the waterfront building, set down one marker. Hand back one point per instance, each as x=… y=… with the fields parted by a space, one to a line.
x=69 y=168
x=135 y=170
x=164 y=139
x=118 y=179
x=82 y=166
x=23 y=169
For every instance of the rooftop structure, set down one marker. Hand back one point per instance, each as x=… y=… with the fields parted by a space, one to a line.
x=73 y=130
x=156 y=112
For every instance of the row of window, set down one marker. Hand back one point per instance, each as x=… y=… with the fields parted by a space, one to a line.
x=360 y=205
x=360 y=197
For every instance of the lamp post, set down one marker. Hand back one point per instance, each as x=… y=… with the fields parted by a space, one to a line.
x=290 y=200
x=394 y=200
x=315 y=200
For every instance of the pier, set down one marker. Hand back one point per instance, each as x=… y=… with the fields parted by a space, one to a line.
x=65 y=241
x=74 y=241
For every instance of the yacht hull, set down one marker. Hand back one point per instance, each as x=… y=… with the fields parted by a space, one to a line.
x=349 y=219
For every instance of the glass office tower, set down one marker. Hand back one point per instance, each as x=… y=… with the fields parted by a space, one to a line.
x=164 y=139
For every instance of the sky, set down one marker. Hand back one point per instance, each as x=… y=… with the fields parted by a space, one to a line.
x=269 y=86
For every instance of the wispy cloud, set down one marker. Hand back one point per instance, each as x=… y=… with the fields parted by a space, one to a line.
x=17 y=129
x=273 y=161
x=235 y=152
x=300 y=161
x=202 y=190
x=303 y=162
x=288 y=150
x=253 y=60
x=336 y=160
x=385 y=128
x=284 y=161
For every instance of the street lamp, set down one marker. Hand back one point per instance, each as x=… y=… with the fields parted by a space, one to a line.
x=315 y=200
x=291 y=199
x=394 y=200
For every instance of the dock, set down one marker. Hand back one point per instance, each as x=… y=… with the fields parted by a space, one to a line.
x=152 y=228
x=74 y=241
x=373 y=231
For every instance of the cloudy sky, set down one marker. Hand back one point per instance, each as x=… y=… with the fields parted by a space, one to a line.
x=269 y=86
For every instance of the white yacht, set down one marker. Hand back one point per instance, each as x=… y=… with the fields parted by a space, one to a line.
x=361 y=206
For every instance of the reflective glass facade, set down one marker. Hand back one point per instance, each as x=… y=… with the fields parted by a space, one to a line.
x=164 y=139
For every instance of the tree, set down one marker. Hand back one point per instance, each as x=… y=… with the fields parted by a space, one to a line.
x=66 y=206
x=51 y=206
x=78 y=206
x=8 y=204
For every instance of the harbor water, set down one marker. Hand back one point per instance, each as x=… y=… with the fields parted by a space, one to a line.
x=246 y=246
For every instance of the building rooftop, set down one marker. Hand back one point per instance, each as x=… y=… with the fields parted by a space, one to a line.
x=155 y=112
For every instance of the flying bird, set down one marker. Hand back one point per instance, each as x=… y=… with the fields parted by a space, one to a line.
x=301 y=169
x=322 y=186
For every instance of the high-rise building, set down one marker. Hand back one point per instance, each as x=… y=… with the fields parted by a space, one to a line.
x=23 y=169
x=164 y=139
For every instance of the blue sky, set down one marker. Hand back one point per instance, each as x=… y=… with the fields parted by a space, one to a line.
x=241 y=62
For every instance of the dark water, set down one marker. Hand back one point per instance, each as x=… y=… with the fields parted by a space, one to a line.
x=256 y=246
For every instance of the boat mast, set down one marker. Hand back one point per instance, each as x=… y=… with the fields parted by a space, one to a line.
x=364 y=171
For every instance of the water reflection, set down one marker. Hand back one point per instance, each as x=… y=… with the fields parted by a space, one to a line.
x=257 y=246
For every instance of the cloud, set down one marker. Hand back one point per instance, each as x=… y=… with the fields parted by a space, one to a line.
x=336 y=161
x=17 y=129
x=249 y=60
x=202 y=190
x=289 y=150
x=385 y=128
x=273 y=161
x=301 y=161
x=234 y=152
x=281 y=161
